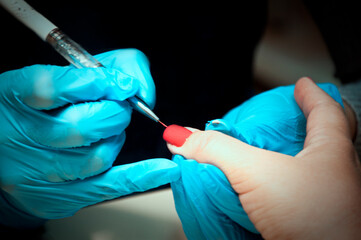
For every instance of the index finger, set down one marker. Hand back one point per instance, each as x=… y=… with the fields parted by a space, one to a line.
x=49 y=87
x=133 y=63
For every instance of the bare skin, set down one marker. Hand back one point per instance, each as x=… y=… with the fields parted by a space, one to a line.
x=314 y=195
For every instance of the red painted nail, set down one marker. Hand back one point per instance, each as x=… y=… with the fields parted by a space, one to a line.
x=176 y=135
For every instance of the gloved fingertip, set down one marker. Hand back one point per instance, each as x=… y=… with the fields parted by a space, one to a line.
x=146 y=92
x=122 y=86
x=172 y=172
x=177 y=159
x=219 y=125
x=155 y=172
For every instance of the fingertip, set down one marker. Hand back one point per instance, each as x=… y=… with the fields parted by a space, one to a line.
x=135 y=64
x=176 y=135
x=147 y=174
x=173 y=149
x=304 y=86
x=304 y=82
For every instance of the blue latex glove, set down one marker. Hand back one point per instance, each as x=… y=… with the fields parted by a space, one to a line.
x=271 y=120
x=207 y=204
x=205 y=201
x=61 y=130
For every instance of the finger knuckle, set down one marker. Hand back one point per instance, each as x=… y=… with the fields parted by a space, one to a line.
x=41 y=86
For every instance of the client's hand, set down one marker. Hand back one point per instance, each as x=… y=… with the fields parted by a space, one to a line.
x=314 y=195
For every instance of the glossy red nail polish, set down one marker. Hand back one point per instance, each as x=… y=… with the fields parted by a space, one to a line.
x=176 y=135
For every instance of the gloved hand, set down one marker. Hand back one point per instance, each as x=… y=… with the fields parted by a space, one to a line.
x=285 y=196
x=271 y=120
x=206 y=203
x=61 y=130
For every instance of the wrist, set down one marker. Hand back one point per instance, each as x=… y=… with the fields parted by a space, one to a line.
x=351 y=117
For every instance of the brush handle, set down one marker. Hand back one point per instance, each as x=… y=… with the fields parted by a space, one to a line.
x=29 y=17
x=69 y=49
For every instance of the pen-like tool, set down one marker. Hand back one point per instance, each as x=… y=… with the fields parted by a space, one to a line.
x=69 y=49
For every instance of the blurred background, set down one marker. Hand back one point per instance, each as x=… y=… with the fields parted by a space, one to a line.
x=204 y=62
x=291 y=47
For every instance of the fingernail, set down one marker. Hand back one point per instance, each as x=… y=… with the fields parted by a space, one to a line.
x=176 y=135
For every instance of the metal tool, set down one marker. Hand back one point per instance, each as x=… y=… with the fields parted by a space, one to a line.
x=69 y=49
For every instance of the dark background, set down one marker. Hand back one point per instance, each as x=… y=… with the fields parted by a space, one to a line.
x=201 y=57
